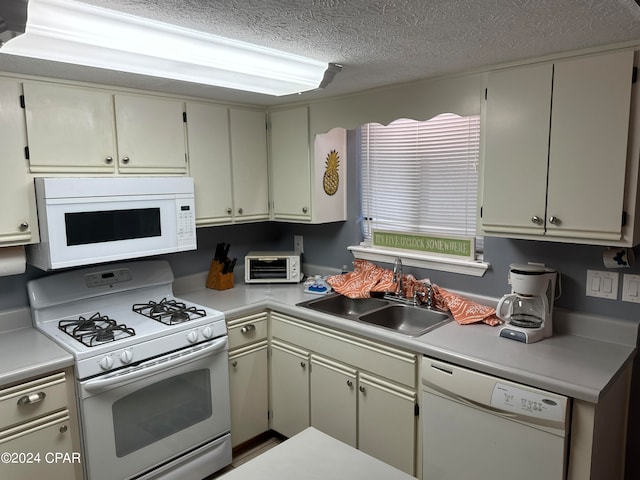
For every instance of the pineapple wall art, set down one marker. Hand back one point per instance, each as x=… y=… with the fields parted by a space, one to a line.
x=331 y=177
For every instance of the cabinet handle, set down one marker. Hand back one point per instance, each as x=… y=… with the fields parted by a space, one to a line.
x=31 y=398
x=554 y=220
x=349 y=384
x=24 y=226
x=362 y=389
x=125 y=160
x=248 y=328
x=63 y=429
x=229 y=211
x=235 y=363
x=305 y=209
x=240 y=211
x=108 y=160
x=536 y=219
x=303 y=365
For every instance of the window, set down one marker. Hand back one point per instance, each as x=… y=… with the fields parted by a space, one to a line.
x=421 y=176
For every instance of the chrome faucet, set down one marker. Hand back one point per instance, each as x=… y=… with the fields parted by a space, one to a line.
x=397 y=276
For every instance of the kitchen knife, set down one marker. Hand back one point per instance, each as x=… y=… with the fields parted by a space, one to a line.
x=227 y=264
x=225 y=251
x=218 y=255
x=233 y=264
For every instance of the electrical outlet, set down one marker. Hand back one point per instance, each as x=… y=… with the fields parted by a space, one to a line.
x=631 y=288
x=297 y=244
x=602 y=284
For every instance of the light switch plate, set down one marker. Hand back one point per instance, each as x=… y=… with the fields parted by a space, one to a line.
x=602 y=284
x=631 y=288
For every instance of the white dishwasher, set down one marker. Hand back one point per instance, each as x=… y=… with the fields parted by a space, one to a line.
x=480 y=427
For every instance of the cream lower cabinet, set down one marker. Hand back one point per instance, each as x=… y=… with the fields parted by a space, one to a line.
x=289 y=388
x=38 y=430
x=18 y=218
x=359 y=391
x=248 y=377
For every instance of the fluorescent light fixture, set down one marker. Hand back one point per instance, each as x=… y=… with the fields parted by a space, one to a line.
x=73 y=32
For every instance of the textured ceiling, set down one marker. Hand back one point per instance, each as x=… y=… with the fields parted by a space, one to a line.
x=378 y=42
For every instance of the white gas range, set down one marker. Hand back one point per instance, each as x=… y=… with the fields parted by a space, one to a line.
x=151 y=366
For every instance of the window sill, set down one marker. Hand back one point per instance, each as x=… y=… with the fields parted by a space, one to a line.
x=475 y=268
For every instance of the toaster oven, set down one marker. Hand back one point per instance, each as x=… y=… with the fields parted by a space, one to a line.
x=272 y=267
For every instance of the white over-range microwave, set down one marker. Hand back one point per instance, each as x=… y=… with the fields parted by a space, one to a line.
x=272 y=267
x=88 y=220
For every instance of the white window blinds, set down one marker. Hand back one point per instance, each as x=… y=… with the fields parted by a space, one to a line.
x=421 y=176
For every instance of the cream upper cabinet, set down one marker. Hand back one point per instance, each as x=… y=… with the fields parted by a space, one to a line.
x=18 y=218
x=555 y=150
x=151 y=134
x=210 y=162
x=248 y=138
x=70 y=129
x=308 y=175
x=290 y=164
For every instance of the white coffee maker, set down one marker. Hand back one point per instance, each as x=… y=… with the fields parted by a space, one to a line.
x=527 y=311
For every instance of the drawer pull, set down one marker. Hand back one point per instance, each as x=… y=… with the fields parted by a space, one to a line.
x=31 y=399
x=248 y=328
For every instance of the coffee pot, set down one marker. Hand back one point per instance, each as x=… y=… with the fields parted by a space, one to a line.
x=528 y=310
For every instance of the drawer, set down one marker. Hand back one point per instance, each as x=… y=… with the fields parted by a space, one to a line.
x=41 y=448
x=32 y=399
x=384 y=360
x=246 y=330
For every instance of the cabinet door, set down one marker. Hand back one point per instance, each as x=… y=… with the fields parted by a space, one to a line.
x=249 y=164
x=18 y=218
x=248 y=383
x=588 y=149
x=150 y=134
x=289 y=389
x=47 y=443
x=387 y=422
x=333 y=399
x=70 y=129
x=290 y=164
x=516 y=122
x=210 y=162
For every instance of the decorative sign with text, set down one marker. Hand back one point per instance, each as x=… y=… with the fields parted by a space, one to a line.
x=451 y=246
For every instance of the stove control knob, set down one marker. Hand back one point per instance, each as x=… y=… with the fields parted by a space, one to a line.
x=106 y=363
x=192 y=336
x=126 y=356
x=207 y=332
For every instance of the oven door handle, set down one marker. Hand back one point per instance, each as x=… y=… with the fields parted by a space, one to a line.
x=153 y=366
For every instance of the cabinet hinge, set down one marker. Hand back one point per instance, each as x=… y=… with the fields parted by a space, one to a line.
x=26 y=153
x=268 y=414
x=21 y=101
x=485 y=93
x=416 y=410
x=481 y=211
x=634 y=75
x=184 y=117
x=624 y=218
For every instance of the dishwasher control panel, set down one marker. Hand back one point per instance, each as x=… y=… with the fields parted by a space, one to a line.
x=510 y=398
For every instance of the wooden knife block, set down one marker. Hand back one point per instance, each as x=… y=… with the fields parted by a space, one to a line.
x=217 y=280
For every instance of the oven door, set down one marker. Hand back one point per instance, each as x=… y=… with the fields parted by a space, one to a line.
x=147 y=416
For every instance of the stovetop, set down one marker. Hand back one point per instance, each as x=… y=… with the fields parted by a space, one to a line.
x=110 y=317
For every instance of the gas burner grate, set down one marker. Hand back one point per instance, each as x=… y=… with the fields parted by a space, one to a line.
x=169 y=312
x=95 y=330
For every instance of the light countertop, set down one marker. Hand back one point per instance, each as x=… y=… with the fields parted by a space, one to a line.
x=320 y=457
x=24 y=351
x=581 y=360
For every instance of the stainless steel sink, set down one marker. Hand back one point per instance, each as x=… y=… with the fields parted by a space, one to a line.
x=345 y=306
x=413 y=321
x=401 y=318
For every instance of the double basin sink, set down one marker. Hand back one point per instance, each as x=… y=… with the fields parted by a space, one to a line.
x=381 y=312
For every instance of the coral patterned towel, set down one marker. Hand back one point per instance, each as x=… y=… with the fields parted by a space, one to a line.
x=360 y=282
x=463 y=311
